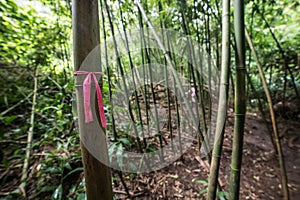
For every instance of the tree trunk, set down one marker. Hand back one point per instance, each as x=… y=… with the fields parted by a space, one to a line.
x=85 y=39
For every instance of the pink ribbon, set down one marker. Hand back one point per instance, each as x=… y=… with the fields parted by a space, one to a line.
x=87 y=97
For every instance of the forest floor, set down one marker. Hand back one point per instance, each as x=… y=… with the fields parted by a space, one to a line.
x=260 y=177
x=186 y=177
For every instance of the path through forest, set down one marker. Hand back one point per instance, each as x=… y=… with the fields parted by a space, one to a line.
x=185 y=178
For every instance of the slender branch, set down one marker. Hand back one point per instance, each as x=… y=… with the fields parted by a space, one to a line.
x=17 y=104
x=30 y=133
x=12 y=142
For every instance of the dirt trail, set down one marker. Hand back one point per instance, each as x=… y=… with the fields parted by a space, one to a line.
x=260 y=174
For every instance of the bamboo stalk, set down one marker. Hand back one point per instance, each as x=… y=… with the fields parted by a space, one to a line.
x=239 y=101
x=122 y=76
x=30 y=133
x=143 y=52
x=174 y=72
x=139 y=114
x=191 y=73
x=163 y=26
x=109 y=74
x=200 y=83
x=177 y=107
x=86 y=38
x=175 y=75
x=222 y=107
x=274 y=123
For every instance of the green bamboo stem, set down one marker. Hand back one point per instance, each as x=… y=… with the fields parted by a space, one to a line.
x=163 y=26
x=200 y=83
x=123 y=77
x=239 y=101
x=222 y=107
x=145 y=74
x=109 y=74
x=175 y=75
x=177 y=107
x=139 y=114
x=191 y=72
x=274 y=123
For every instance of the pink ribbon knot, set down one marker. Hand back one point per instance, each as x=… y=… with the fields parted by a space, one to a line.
x=87 y=97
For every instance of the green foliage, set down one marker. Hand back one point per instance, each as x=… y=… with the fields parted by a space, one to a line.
x=30 y=40
x=221 y=194
x=274 y=28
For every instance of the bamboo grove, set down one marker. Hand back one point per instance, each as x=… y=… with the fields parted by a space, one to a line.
x=209 y=26
x=152 y=79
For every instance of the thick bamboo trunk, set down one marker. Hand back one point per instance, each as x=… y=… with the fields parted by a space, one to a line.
x=85 y=39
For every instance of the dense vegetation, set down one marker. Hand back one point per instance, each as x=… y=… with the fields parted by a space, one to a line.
x=37 y=84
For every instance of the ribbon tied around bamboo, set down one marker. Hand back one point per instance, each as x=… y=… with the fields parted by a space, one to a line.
x=87 y=97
